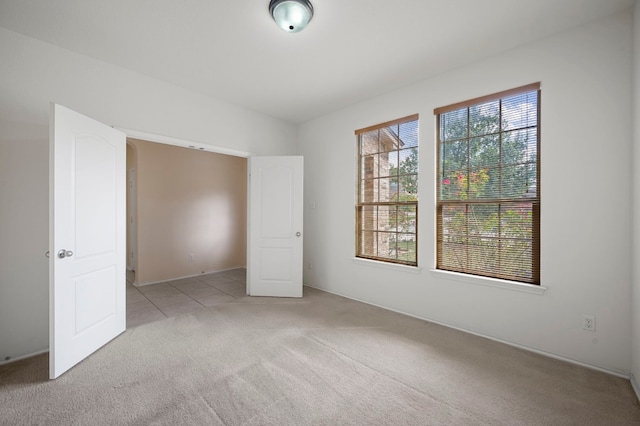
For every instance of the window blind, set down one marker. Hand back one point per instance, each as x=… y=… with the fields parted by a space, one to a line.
x=488 y=186
x=387 y=192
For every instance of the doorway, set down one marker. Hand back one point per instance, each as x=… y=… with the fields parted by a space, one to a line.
x=186 y=211
x=186 y=230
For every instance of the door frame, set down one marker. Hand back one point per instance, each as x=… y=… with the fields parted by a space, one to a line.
x=132 y=231
x=168 y=140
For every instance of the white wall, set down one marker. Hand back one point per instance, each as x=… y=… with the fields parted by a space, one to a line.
x=32 y=74
x=635 y=301
x=586 y=148
x=24 y=239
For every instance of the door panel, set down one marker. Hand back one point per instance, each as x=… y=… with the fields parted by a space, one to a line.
x=275 y=227
x=87 y=237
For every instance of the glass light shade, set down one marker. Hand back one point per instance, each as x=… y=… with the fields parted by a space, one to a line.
x=291 y=15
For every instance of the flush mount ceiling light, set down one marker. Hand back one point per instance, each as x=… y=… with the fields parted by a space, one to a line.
x=291 y=15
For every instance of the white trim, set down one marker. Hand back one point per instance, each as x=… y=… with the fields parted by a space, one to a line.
x=21 y=357
x=136 y=284
x=168 y=140
x=387 y=265
x=635 y=385
x=490 y=282
x=506 y=342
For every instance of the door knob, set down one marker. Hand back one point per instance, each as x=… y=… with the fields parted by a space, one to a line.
x=298 y=234
x=65 y=253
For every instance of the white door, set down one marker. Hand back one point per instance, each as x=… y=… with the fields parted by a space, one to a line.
x=87 y=243
x=275 y=227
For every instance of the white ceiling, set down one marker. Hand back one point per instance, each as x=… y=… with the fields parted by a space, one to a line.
x=352 y=49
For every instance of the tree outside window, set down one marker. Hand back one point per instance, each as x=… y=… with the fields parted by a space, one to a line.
x=387 y=207
x=488 y=202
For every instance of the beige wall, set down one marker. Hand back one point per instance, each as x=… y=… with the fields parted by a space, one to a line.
x=131 y=165
x=191 y=212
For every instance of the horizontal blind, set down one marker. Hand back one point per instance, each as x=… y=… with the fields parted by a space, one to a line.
x=391 y=123
x=488 y=202
x=387 y=191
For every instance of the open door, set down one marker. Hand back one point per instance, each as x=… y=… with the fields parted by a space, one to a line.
x=87 y=243
x=275 y=227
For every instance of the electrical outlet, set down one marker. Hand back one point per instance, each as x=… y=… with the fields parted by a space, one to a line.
x=191 y=257
x=589 y=322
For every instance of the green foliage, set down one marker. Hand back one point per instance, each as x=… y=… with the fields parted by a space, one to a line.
x=484 y=156
x=407 y=173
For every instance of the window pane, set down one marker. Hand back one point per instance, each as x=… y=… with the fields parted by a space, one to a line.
x=516 y=258
x=515 y=181
x=515 y=221
x=408 y=161
x=407 y=218
x=453 y=125
x=484 y=151
x=393 y=164
x=520 y=111
x=484 y=255
x=408 y=179
x=369 y=218
x=483 y=220
x=369 y=143
x=531 y=148
x=369 y=167
x=454 y=255
x=387 y=190
x=518 y=145
x=408 y=188
x=388 y=140
x=368 y=190
x=455 y=186
x=387 y=218
x=386 y=246
x=382 y=164
x=480 y=185
x=454 y=156
x=484 y=118
x=454 y=223
x=408 y=134
x=406 y=247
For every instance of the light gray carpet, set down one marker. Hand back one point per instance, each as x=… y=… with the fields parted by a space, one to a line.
x=321 y=360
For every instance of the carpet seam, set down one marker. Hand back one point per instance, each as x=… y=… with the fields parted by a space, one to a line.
x=394 y=378
x=214 y=410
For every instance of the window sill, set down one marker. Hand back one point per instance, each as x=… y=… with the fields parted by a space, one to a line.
x=385 y=265
x=490 y=282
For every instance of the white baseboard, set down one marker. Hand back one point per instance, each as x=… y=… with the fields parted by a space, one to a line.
x=506 y=342
x=18 y=358
x=138 y=284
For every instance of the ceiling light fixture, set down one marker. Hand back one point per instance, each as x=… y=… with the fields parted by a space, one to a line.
x=291 y=15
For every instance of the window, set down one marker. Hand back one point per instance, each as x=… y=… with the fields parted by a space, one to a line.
x=387 y=207
x=488 y=186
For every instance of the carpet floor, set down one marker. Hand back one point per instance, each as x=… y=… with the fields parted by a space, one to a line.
x=319 y=360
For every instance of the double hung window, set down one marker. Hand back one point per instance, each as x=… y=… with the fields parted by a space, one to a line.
x=488 y=186
x=387 y=192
